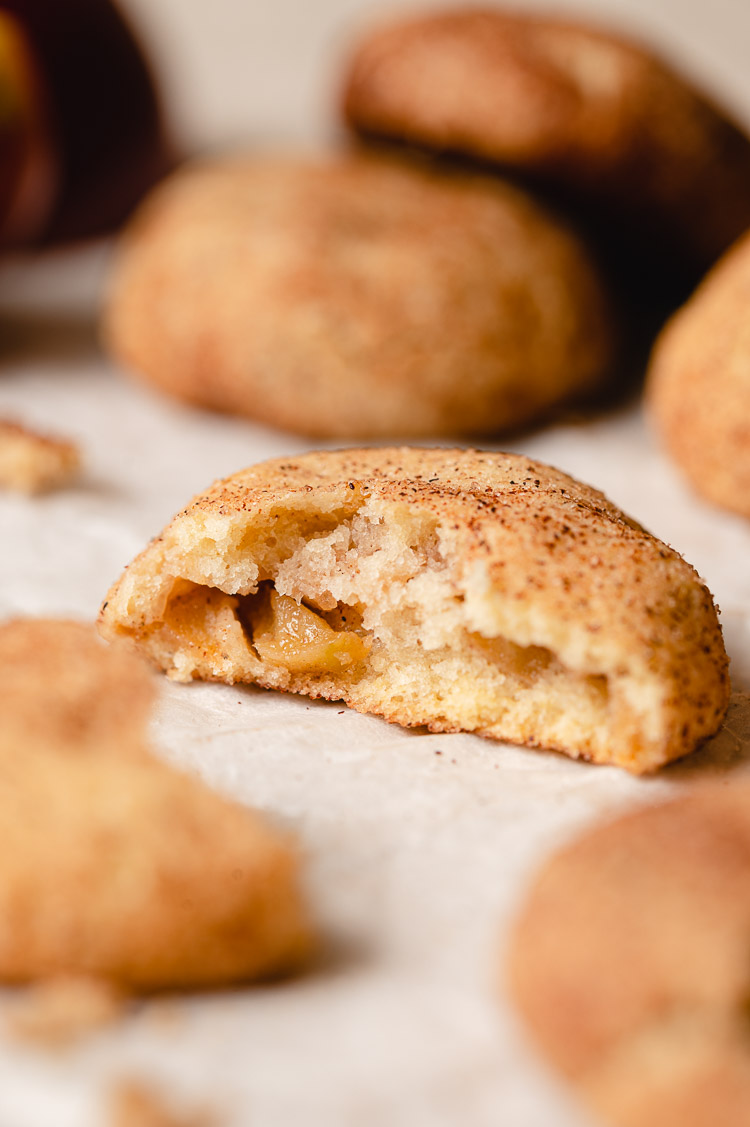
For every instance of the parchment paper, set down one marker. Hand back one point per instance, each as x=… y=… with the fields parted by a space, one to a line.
x=418 y=847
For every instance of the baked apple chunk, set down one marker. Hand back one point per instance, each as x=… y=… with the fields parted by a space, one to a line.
x=459 y=590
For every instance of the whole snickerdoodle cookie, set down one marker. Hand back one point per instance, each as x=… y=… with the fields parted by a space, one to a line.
x=357 y=297
x=699 y=384
x=577 y=107
x=451 y=588
x=115 y=865
x=629 y=962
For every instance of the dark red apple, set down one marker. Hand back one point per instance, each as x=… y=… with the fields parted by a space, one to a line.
x=29 y=164
x=104 y=115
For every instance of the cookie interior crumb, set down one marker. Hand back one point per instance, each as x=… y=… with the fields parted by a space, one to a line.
x=117 y=865
x=420 y=641
x=31 y=462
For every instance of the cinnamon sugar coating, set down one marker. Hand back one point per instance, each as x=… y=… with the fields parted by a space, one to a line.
x=698 y=385
x=629 y=962
x=358 y=297
x=117 y=866
x=584 y=110
x=492 y=594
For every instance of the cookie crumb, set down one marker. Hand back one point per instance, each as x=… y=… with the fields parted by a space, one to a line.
x=644 y=689
x=135 y=1104
x=58 y=1011
x=31 y=462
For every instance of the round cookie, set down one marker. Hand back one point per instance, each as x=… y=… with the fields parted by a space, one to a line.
x=629 y=962
x=93 y=124
x=62 y=690
x=455 y=589
x=117 y=866
x=357 y=297
x=583 y=110
x=698 y=384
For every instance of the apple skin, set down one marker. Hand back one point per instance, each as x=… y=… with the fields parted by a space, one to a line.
x=29 y=162
x=105 y=118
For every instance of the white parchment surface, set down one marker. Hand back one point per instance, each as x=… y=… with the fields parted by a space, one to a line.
x=417 y=847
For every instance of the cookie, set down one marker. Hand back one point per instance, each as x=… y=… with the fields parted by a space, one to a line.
x=629 y=962
x=698 y=384
x=31 y=462
x=454 y=589
x=117 y=866
x=357 y=297
x=59 y=689
x=578 y=108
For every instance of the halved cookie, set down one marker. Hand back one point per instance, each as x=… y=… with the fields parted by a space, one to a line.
x=699 y=384
x=461 y=590
x=115 y=865
x=358 y=297
x=630 y=962
x=582 y=109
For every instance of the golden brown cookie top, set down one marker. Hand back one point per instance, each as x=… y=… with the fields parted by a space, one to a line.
x=520 y=550
x=581 y=107
x=535 y=534
x=358 y=297
x=698 y=386
x=60 y=687
x=629 y=961
x=32 y=462
x=107 y=870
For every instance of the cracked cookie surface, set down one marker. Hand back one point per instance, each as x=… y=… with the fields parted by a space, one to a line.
x=629 y=962
x=358 y=297
x=118 y=866
x=471 y=591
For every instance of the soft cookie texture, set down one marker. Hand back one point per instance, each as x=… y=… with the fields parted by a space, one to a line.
x=699 y=384
x=629 y=962
x=579 y=108
x=357 y=297
x=116 y=866
x=449 y=588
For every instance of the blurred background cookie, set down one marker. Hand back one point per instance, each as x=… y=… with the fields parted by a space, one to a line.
x=591 y=114
x=629 y=962
x=81 y=133
x=699 y=384
x=358 y=297
x=117 y=865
